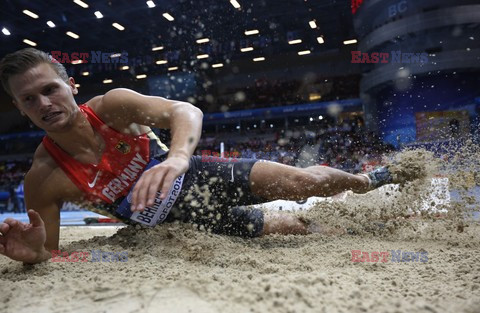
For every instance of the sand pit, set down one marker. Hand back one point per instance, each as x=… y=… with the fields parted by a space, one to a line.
x=176 y=268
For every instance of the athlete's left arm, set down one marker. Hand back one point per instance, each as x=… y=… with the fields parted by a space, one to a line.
x=184 y=121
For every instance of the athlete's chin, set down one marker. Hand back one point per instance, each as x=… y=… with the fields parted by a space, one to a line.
x=59 y=124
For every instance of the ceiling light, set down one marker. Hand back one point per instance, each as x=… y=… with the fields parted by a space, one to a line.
x=51 y=24
x=235 y=4
x=77 y=61
x=259 y=59
x=30 y=13
x=124 y=68
x=98 y=14
x=5 y=31
x=73 y=35
x=320 y=40
x=85 y=73
x=77 y=85
x=173 y=68
x=157 y=48
x=107 y=81
x=161 y=62
x=203 y=40
x=304 y=52
x=141 y=76
x=81 y=3
x=294 y=42
x=168 y=17
x=217 y=65
x=350 y=42
x=29 y=42
x=202 y=56
x=150 y=4
x=251 y=32
x=118 y=26
x=246 y=49
x=312 y=24
x=116 y=55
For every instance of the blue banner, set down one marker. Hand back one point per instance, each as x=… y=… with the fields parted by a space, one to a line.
x=275 y=112
x=264 y=113
x=22 y=135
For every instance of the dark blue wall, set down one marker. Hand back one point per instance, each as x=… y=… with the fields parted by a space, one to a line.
x=442 y=92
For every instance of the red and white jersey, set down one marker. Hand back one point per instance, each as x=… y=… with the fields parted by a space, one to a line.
x=123 y=161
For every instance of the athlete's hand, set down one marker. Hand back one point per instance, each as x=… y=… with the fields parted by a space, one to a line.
x=24 y=242
x=158 y=178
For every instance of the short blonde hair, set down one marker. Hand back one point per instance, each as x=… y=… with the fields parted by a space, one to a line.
x=20 y=61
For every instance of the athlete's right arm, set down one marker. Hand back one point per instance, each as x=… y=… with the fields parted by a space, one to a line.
x=33 y=242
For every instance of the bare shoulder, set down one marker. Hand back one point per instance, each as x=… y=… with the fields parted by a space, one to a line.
x=44 y=177
x=43 y=164
x=95 y=103
x=113 y=109
x=114 y=101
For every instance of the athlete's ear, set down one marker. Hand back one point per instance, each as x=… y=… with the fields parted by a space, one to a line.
x=16 y=105
x=71 y=82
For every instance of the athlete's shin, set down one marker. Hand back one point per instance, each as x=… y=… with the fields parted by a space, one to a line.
x=274 y=181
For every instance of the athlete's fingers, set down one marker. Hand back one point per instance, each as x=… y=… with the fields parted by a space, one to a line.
x=12 y=222
x=167 y=184
x=135 y=193
x=35 y=218
x=3 y=244
x=9 y=220
x=4 y=228
x=133 y=204
x=142 y=191
x=154 y=186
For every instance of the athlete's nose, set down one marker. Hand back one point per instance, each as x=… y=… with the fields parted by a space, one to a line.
x=44 y=102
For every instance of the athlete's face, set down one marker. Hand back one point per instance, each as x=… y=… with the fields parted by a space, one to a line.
x=44 y=97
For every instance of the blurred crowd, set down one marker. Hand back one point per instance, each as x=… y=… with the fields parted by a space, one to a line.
x=348 y=146
x=12 y=197
x=263 y=92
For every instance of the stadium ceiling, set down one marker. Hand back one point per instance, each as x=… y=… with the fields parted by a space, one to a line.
x=283 y=26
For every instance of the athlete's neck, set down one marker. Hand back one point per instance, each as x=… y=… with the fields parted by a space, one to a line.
x=80 y=140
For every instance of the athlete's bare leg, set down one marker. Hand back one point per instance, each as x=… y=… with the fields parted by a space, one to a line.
x=275 y=181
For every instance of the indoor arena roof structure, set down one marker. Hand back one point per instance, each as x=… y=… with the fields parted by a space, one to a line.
x=190 y=29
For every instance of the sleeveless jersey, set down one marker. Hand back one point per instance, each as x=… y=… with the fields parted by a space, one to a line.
x=124 y=159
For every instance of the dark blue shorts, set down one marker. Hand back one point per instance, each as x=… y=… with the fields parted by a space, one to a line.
x=212 y=194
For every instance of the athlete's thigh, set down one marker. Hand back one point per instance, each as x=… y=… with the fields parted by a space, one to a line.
x=211 y=185
x=211 y=195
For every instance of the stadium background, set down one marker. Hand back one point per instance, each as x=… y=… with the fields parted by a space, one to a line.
x=288 y=92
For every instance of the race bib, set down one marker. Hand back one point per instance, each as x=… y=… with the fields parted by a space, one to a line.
x=156 y=213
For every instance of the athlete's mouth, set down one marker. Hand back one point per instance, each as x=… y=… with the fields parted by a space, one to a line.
x=50 y=116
